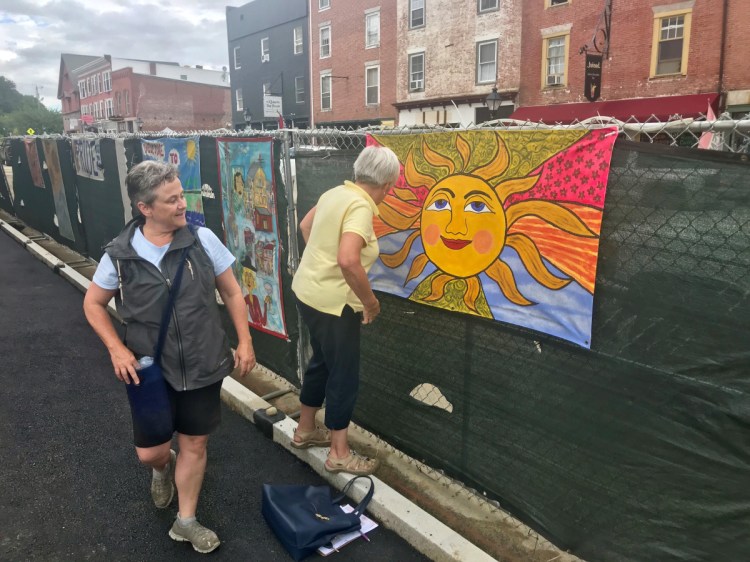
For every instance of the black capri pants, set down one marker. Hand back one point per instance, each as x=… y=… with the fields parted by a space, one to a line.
x=333 y=371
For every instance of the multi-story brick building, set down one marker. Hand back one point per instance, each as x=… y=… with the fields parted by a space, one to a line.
x=450 y=56
x=353 y=62
x=269 y=63
x=110 y=94
x=662 y=58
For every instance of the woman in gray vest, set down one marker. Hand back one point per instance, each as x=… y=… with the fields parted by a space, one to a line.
x=137 y=269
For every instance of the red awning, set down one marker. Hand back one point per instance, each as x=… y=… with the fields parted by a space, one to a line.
x=641 y=109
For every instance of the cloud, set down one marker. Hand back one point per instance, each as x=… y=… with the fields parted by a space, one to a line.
x=34 y=33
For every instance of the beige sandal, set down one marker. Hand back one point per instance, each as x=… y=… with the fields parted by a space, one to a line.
x=354 y=463
x=318 y=437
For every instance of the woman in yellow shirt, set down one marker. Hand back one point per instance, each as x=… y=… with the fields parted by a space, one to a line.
x=334 y=297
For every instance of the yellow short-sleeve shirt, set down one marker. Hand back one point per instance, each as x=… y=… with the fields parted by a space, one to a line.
x=318 y=281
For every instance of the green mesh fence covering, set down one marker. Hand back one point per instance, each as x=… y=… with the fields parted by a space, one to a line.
x=635 y=450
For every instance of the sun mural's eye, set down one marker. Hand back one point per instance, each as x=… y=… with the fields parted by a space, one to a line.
x=439 y=205
x=477 y=207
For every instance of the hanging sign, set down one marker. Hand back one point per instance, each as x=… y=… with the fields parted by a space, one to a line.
x=593 y=82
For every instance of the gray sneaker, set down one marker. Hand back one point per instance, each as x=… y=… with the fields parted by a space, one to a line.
x=162 y=489
x=203 y=540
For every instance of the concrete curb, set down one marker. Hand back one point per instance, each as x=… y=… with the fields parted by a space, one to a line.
x=420 y=529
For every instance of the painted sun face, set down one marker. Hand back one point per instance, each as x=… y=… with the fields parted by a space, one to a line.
x=463 y=225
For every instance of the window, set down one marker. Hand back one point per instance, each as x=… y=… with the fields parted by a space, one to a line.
x=265 y=55
x=670 y=43
x=416 y=72
x=298 y=40
x=372 y=29
x=183 y=76
x=118 y=103
x=556 y=2
x=325 y=92
x=238 y=99
x=101 y=109
x=325 y=41
x=372 y=77
x=416 y=13
x=127 y=102
x=107 y=76
x=108 y=107
x=266 y=89
x=299 y=89
x=324 y=4
x=81 y=89
x=487 y=6
x=237 y=60
x=556 y=49
x=486 y=62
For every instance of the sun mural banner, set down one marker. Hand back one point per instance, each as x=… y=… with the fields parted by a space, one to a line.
x=183 y=153
x=248 y=195
x=498 y=224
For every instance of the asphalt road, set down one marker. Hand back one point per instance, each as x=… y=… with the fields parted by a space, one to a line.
x=71 y=487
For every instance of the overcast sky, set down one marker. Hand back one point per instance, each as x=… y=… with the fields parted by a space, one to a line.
x=33 y=34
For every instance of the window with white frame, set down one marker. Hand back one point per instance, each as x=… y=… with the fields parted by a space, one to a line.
x=118 y=103
x=416 y=72
x=127 y=102
x=266 y=89
x=486 y=62
x=237 y=59
x=487 y=6
x=298 y=40
x=109 y=108
x=265 y=54
x=238 y=99
x=372 y=85
x=107 y=76
x=324 y=4
x=325 y=41
x=325 y=92
x=372 y=29
x=98 y=80
x=299 y=89
x=101 y=109
x=555 y=48
x=81 y=89
x=416 y=13
x=89 y=90
x=670 y=42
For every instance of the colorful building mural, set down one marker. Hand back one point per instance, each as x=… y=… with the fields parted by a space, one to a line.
x=248 y=193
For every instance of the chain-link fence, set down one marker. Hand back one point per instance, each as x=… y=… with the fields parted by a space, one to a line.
x=632 y=450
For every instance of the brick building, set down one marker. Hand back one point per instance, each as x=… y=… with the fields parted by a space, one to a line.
x=124 y=95
x=450 y=56
x=663 y=58
x=353 y=62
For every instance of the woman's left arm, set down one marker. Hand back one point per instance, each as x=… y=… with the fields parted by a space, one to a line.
x=231 y=294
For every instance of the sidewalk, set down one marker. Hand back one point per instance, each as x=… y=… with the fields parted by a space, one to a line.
x=438 y=516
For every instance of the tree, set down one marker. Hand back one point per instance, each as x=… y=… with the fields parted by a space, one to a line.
x=10 y=98
x=26 y=112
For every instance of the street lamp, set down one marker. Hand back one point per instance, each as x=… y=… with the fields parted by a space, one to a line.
x=493 y=101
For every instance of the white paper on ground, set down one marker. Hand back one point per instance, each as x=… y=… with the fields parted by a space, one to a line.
x=340 y=540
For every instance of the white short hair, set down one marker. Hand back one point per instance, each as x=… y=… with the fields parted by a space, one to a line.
x=377 y=165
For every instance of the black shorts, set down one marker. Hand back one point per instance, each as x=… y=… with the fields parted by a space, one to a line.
x=194 y=412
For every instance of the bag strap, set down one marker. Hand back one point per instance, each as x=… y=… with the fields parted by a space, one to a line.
x=167 y=314
x=360 y=509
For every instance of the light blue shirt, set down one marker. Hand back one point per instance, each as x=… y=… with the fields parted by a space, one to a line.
x=106 y=274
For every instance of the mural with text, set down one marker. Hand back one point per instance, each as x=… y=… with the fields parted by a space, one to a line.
x=185 y=154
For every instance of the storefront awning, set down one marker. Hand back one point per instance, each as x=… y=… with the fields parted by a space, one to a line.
x=662 y=108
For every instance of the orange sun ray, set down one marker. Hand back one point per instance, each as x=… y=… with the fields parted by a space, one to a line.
x=472 y=293
x=438 y=287
x=396 y=259
x=501 y=274
x=417 y=266
x=532 y=260
x=553 y=213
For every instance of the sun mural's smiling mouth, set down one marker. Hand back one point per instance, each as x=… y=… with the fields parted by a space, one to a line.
x=455 y=244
